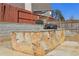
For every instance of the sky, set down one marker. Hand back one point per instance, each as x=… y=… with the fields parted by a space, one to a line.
x=68 y=9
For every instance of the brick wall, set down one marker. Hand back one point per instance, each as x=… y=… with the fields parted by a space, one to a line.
x=17 y=15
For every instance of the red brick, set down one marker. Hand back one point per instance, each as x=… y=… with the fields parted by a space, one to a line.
x=10 y=13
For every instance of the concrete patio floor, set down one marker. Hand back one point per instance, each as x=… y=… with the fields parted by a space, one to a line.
x=6 y=50
x=68 y=48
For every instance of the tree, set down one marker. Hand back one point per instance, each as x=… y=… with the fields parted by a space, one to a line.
x=57 y=15
x=62 y=18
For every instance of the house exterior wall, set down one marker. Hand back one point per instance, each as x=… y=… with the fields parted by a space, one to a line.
x=28 y=6
x=40 y=6
x=0 y=13
x=19 y=5
x=16 y=15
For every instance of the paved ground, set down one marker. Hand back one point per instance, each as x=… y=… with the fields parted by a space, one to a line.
x=6 y=50
x=68 y=48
